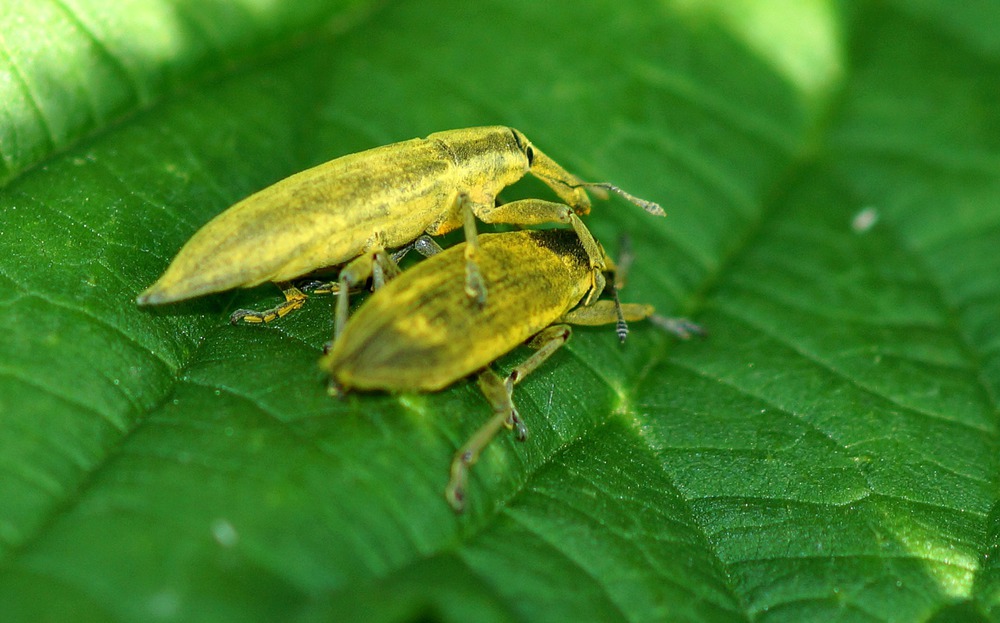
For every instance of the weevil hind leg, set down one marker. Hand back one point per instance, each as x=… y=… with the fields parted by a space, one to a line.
x=294 y=299
x=499 y=393
x=504 y=414
x=545 y=343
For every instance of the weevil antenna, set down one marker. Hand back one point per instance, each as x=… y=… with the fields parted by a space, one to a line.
x=649 y=206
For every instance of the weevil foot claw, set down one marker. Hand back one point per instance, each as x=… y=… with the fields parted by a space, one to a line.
x=456 y=498
x=245 y=315
x=520 y=430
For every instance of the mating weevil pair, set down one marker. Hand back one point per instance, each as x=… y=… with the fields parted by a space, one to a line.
x=347 y=212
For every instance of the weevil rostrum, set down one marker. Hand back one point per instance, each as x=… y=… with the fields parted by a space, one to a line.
x=420 y=332
x=349 y=210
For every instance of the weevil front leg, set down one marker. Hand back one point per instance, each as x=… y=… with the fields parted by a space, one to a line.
x=474 y=286
x=538 y=212
x=294 y=299
x=523 y=213
x=499 y=393
x=611 y=312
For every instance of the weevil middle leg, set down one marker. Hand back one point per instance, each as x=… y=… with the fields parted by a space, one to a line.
x=499 y=393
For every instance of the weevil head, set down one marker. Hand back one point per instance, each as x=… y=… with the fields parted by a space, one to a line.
x=568 y=186
x=524 y=146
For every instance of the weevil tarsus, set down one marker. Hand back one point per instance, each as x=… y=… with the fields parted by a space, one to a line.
x=334 y=390
x=316 y=286
x=294 y=299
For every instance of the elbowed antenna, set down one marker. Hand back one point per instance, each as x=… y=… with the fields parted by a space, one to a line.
x=648 y=206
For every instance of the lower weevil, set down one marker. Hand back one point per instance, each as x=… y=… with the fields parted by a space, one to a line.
x=421 y=332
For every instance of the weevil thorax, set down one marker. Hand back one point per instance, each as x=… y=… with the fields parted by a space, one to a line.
x=487 y=159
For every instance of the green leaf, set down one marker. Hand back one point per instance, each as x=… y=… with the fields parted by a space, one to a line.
x=831 y=174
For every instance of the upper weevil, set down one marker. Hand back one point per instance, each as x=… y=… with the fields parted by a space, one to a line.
x=421 y=332
x=350 y=209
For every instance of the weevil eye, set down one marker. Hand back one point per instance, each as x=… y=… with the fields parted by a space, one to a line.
x=529 y=153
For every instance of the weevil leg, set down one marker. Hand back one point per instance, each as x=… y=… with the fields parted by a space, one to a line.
x=538 y=212
x=384 y=268
x=545 y=343
x=597 y=259
x=683 y=328
x=355 y=273
x=497 y=393
x=294 y=299
x=424 y=245
x=318 y=287
x=607 y=312
x=474 y=286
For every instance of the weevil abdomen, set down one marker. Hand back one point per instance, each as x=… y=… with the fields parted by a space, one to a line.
x=319 y=217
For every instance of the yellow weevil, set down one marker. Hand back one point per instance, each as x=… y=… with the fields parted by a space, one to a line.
x=420 y=332
x=351 y=209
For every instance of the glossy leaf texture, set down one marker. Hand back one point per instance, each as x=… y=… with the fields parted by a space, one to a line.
x=831 y=175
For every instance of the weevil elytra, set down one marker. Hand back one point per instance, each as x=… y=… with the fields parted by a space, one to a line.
x=421 y=332
x=350 y=209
